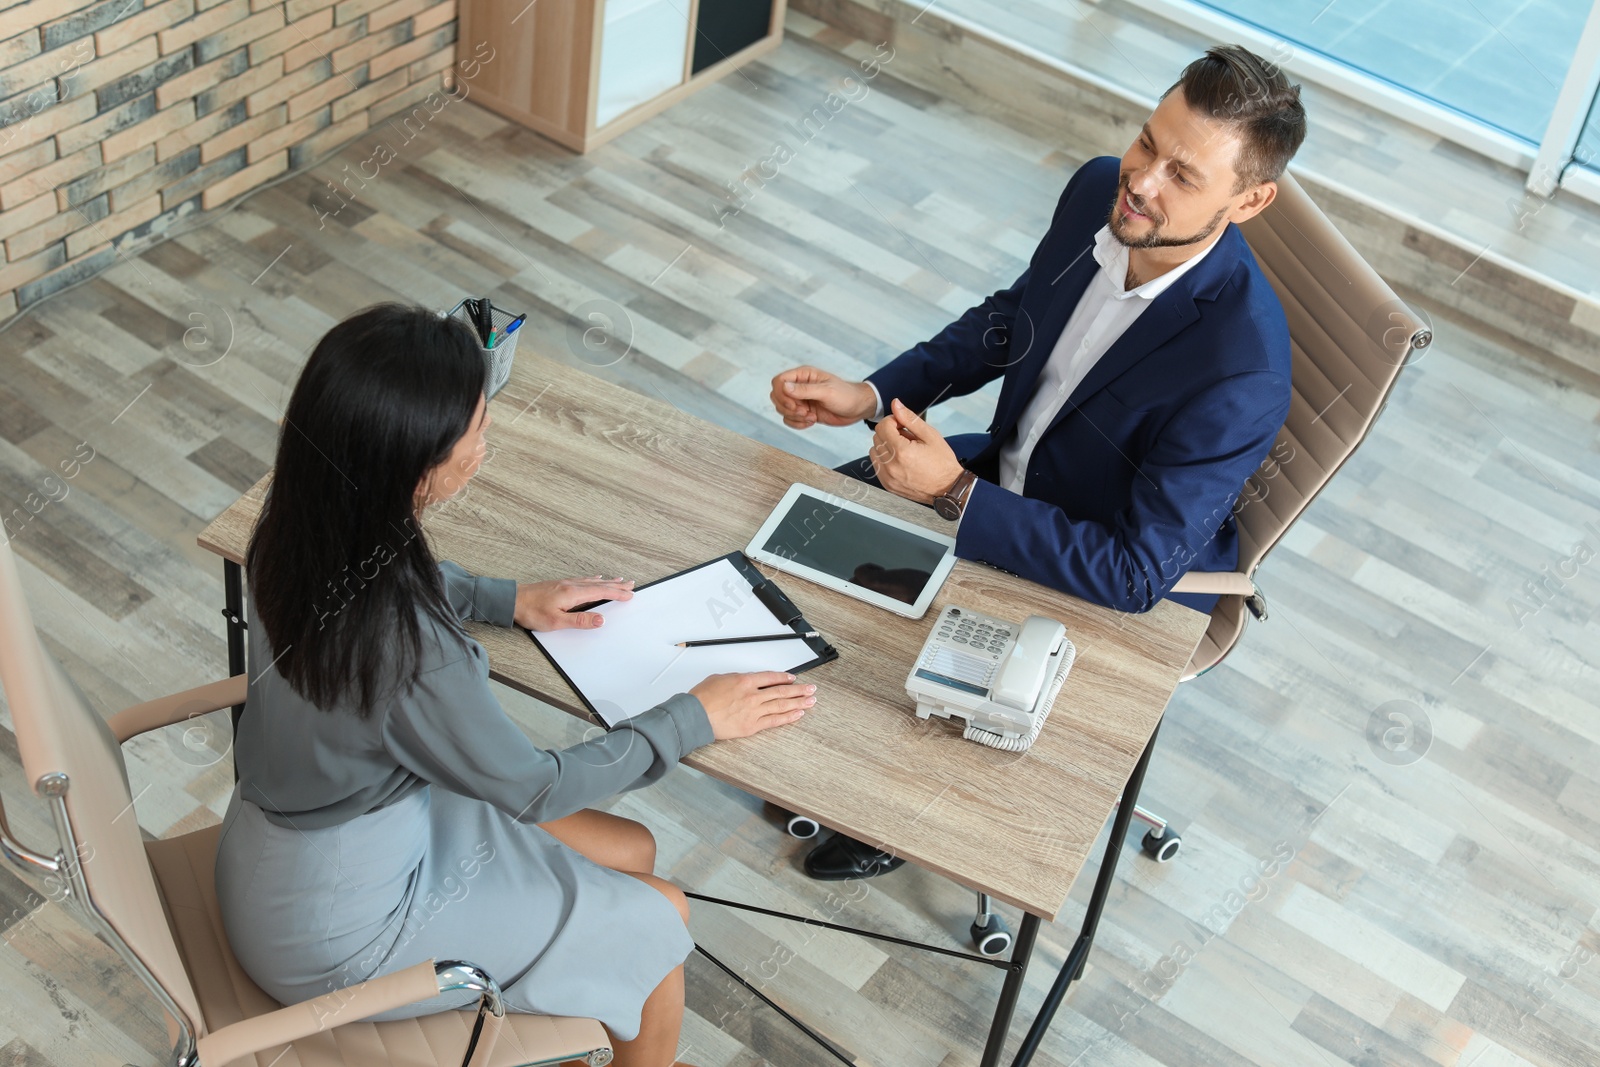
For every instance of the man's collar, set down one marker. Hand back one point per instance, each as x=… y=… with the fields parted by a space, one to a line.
x=1112 y=255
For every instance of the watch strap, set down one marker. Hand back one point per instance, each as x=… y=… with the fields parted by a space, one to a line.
x=955 y=498
x=963 y=488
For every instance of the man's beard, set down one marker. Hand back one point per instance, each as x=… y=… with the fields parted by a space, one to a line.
x=1155 y=238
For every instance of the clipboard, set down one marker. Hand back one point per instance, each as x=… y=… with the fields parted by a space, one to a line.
x=633 y=663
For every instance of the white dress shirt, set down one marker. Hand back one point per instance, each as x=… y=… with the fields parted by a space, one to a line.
x=1104 y=313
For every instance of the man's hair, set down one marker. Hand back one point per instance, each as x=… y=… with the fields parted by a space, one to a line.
x=1239 y=89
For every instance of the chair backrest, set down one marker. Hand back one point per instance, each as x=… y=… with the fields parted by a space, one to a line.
x=1350 y=336
x=72 y=761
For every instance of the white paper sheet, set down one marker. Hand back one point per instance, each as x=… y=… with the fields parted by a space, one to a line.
x=632 y=662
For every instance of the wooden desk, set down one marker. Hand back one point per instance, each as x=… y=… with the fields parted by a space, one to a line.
x=585 y=477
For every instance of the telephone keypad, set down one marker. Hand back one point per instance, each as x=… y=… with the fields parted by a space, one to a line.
x=978 y=633
x=982 y=640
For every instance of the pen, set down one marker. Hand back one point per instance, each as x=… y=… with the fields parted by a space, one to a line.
x=746 y=640
x=482 y=314
x=511 y=327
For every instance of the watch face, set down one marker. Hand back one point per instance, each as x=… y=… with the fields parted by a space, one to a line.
x=947 y=508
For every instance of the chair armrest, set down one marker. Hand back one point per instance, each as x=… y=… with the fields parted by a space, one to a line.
x=422 y=981
x=458 y=974
x=1226 y=582
x=164 y=711
x=346 y=1005
x=1215 y=583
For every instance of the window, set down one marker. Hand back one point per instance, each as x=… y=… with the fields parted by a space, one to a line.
x=1500 y=62
x=1587 y=154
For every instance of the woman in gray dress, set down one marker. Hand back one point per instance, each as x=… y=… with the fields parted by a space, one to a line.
x=388 y=811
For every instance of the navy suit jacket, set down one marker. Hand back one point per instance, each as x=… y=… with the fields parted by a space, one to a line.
x=1134 y=482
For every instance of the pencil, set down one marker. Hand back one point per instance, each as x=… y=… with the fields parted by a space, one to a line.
x=746 y=640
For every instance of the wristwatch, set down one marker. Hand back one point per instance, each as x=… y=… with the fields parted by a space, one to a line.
x=950 y=503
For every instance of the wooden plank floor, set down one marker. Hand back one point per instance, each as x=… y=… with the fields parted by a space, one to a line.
x=1335 y=903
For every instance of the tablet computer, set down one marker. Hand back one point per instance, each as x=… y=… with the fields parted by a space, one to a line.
x=857 y=551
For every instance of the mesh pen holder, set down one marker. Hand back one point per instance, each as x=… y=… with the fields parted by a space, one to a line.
x=498 y=358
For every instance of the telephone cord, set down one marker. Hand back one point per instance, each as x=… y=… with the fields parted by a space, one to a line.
x=1069 y=652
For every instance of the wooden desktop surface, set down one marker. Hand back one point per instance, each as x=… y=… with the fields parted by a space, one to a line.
x=584 y=477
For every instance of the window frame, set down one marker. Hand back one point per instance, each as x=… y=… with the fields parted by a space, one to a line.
x=1553 y=167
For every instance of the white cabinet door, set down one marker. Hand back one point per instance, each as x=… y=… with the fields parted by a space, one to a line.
x=642 y=52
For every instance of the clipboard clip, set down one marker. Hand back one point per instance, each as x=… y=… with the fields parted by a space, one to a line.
x=785 y=611
x=777 y=603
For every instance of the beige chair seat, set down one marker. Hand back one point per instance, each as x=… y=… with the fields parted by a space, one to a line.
x=184 y=871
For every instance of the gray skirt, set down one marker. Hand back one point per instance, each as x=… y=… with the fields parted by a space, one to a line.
x=437 y=875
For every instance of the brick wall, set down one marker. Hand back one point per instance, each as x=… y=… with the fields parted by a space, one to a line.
x=120 y=117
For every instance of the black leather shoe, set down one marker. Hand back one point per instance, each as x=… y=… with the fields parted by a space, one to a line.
x=841 y=857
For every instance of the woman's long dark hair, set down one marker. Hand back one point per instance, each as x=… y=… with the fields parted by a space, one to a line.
x=338 y=568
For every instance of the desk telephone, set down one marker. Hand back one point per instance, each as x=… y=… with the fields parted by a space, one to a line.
x=999 y=677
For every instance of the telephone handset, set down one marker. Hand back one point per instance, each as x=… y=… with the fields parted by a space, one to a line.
x=999 y=677
x=1023 y=672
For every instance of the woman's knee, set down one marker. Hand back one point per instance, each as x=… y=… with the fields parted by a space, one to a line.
x=633 y=846
x=609 y=840
x=641 y=845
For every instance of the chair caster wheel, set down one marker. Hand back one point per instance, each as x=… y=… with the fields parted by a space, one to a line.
x=1161 y=848
x=803 y=827
x=991 y=936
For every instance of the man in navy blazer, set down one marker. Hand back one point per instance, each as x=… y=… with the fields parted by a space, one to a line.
x=1144 y=361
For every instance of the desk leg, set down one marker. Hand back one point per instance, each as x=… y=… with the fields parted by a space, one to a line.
x=1072 y=970
x=233 y=593
x=1021 y=953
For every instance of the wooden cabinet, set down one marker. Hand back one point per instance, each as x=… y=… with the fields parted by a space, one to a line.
x=582 y=71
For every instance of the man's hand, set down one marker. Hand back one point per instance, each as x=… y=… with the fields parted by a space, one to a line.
x=546 y=606
x=912 y=459
x=807 y=395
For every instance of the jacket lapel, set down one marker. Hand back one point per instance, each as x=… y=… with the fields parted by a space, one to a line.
x=1065 y=291
x=1167 y=315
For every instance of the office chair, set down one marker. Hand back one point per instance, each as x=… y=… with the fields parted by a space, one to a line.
x=156 y=904
x=1350 y=336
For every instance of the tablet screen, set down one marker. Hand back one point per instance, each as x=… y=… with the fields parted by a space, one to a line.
x=855 y=548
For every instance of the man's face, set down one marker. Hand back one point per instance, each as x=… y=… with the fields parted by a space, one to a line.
x=1178 y=182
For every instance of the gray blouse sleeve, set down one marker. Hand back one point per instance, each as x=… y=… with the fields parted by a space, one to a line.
x=451 y=731
x=479 y=599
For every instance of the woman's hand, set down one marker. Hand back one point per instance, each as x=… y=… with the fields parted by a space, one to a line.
x=739 y=705
x=548 y=605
